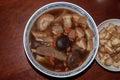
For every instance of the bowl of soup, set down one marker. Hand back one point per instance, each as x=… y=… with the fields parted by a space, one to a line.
x=61 y=39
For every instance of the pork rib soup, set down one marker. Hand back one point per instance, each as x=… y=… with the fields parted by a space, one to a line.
x=61 y=40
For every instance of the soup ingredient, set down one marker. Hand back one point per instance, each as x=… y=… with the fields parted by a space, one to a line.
x=73 y=59
x=39 y=58
x=82 y=43
x=57 y=28
x=109 y=45
x=59 y=17
x=83 y=22
x=89 y=33
x=42 y=36
x=72 y=35
x=62 y=43
x=67 y=20
x=35 y=44
x=38 y=35
x=75 y=19
x=51 y=52
x=80 y=32
x=89 y=45
x=47 y=39
x=75 y=49
x=44 y=21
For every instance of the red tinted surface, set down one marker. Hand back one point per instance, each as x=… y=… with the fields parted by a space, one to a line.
x=14 y=15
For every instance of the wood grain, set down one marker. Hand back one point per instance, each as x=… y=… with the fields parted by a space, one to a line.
x=14 y=15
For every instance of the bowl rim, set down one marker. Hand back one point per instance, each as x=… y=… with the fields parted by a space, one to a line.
x=28 y=28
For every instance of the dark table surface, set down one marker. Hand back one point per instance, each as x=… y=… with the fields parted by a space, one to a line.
x=14 y=15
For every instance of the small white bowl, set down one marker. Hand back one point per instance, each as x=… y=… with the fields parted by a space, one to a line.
x=75 y=8
x=102 y=25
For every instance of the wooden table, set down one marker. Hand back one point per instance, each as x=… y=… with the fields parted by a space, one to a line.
x=14 y=15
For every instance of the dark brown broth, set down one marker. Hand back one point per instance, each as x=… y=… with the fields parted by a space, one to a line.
x=58 y=64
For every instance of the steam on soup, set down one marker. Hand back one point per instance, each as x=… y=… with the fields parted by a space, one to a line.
x=61 y=40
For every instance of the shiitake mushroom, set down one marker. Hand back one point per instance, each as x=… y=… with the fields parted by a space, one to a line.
x=73 y=59
x=62 y=43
